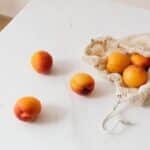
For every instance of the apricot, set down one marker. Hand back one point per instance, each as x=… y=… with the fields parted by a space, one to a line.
x=27 y=108
x=117 y=62
x=135 y=76
x=42 y=62
x=140 y=60
x=148 y=61
x=82 y=83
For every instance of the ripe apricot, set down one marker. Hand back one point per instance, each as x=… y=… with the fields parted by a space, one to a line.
x=117 y=62
x=27 y=108
x=134 y=76
x=82 y=83
x=148 y=61
x=140 y=60
x=42 y=62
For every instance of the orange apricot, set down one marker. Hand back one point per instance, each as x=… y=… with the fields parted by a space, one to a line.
x=148 y=61
x=140 y=60
x=82 y=83
x=42 y=62
x=134 y=76
x=27 y=108
x=117 y=62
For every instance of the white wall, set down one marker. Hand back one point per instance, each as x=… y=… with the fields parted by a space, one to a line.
x=11 y=7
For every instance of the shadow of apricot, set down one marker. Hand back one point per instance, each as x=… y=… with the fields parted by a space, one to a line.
x=96 y=93
x=62 y=67
x=147 y=103
x=51 y=114
x=102 y=89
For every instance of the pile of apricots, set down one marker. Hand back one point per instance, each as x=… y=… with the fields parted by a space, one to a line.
x=132 y=67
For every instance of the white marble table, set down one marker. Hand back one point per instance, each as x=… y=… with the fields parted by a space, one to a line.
x=68 y=121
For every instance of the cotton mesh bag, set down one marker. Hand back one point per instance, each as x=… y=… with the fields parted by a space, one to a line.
x=96 y=54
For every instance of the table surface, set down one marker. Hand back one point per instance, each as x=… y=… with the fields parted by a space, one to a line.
x=136 y=3
x=68 y=121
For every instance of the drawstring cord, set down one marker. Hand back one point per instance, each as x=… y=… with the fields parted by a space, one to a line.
x=111 y=115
